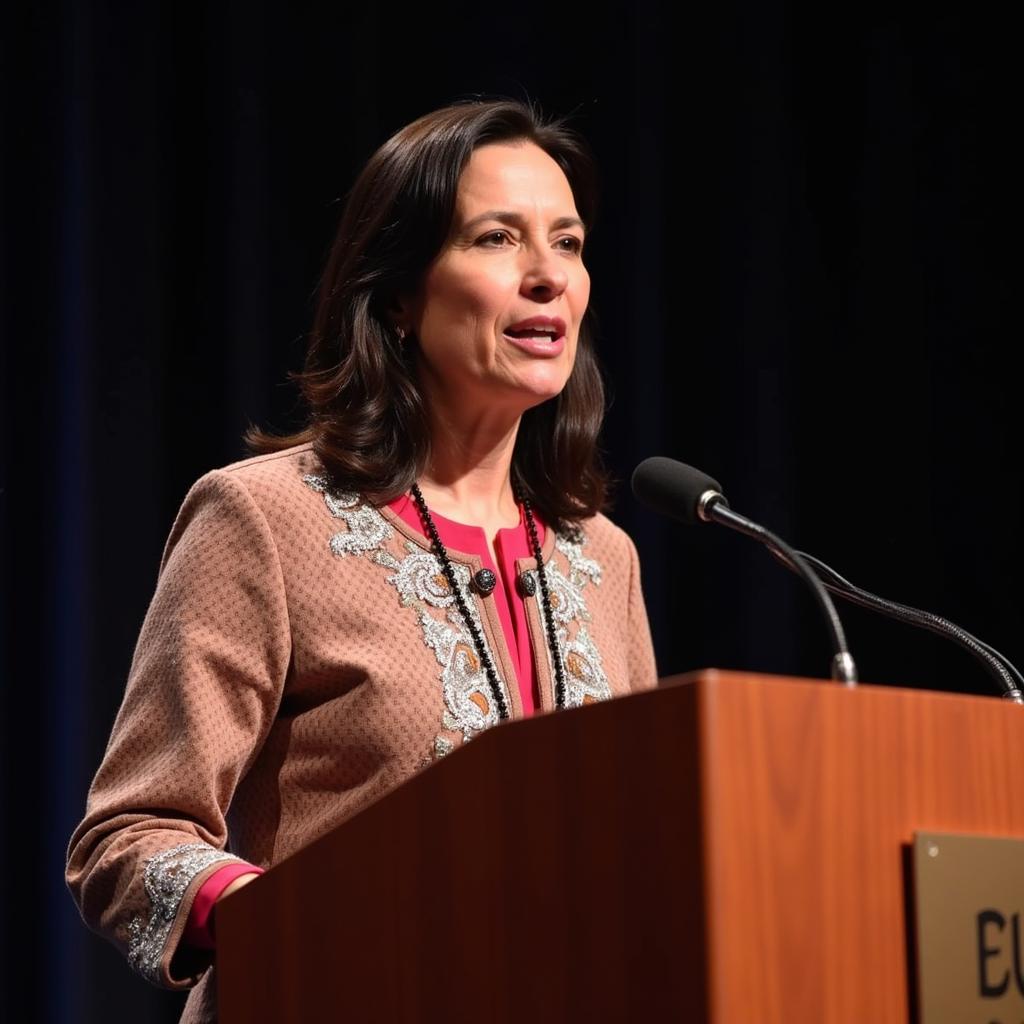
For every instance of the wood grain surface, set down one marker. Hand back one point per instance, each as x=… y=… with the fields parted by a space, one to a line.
x=812 y=793
x=728 y=848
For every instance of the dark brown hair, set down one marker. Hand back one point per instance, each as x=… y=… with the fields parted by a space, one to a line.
x=368 y=420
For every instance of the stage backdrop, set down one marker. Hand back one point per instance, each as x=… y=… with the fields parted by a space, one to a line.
x=800 y=273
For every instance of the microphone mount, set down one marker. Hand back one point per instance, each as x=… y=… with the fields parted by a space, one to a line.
x=1007 y=677
x=712 y=507
x=688 y=495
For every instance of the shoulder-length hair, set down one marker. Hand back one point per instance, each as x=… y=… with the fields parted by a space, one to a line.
x=367 y=414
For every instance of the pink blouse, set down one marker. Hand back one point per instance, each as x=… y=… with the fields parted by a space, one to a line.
x=509 y=545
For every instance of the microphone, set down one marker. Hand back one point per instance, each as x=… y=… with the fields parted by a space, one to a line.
x=690 y=496
x=1007 y=677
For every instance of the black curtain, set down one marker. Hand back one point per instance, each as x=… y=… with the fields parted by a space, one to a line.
x=801 y=271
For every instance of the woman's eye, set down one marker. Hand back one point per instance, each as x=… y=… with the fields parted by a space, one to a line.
x=494 y=239
x=570 y=243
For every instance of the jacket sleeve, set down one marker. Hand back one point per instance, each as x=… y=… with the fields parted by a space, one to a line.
x=204 y=687
x=643 y=673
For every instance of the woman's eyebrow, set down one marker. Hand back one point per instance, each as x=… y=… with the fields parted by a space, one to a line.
x=514 y=219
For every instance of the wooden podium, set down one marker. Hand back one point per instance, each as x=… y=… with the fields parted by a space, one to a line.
x=727 y=848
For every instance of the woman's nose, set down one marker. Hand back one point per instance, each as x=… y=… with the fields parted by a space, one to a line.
x=545 y=276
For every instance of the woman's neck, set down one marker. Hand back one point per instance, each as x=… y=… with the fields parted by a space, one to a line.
x=468 y=478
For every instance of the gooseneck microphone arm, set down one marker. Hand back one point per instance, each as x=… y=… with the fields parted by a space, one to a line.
x=713 y=508
x=1007 y=677
x=688 y=495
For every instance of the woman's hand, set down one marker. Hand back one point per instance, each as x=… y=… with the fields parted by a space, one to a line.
x=233 y=886
x=236 y=884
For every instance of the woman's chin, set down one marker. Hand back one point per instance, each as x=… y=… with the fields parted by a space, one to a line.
x=539 y=387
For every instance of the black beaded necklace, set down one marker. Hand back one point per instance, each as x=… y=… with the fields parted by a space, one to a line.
x=484 y=582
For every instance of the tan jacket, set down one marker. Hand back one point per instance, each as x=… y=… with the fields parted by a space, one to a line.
x=302 y=656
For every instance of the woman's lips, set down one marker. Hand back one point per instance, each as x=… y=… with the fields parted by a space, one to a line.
x=542 y=324
x=542 y=336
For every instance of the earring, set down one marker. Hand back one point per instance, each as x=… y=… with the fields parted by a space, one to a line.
x=401 y=333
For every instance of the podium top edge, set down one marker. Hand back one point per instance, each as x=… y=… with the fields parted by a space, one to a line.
x=710 y=678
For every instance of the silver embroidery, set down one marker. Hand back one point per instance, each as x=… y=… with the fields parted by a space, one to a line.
x=422 y=585
x=585 y=680
x=167 y=875
x=421 y=578
x=386 y=559
x=567 y=602
x=367 y=528
x=581 y=568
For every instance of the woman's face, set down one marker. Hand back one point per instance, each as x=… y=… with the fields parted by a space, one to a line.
x=498 y=313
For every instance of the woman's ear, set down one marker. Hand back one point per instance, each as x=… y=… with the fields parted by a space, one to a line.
x=399 y=313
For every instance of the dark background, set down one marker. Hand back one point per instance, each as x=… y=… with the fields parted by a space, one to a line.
x=802 y=273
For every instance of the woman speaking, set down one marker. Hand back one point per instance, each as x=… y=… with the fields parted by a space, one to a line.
x=427 y=558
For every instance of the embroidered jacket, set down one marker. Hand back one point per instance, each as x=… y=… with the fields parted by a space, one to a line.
x=301 y=657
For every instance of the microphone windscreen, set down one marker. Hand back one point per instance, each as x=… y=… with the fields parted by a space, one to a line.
x=671 y=488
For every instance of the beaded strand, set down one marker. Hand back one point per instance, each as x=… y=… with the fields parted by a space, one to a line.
x=441 y=554
x=449 y=571
x=545 y=602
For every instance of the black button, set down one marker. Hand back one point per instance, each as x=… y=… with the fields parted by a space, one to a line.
x=484 y=581
x=527 y=584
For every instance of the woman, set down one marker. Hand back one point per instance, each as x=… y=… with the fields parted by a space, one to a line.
x=325 y=622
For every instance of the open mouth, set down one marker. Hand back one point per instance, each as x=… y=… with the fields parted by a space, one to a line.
x=541 y=329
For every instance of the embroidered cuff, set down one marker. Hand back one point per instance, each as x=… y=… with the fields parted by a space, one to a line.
x=167 y=877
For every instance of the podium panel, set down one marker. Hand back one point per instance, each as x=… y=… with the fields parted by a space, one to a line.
x=727 y=848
